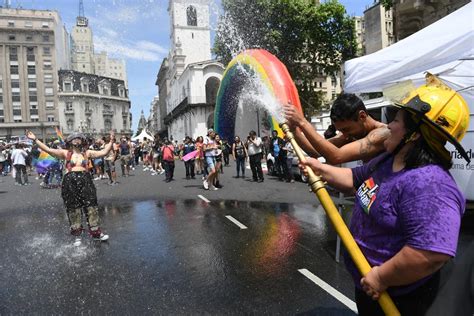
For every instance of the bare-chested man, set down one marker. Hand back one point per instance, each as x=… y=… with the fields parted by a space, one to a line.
x=360 y=137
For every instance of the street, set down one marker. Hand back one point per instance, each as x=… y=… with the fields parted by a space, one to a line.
x=174 y=248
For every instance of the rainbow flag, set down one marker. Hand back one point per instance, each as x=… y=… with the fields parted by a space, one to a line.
x=44 y=162
x=60 y=135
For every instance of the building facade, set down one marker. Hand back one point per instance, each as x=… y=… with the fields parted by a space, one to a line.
x=412 y=15
x=378 y=28
x=188 y=78
x=33 y=47
x=93 y=104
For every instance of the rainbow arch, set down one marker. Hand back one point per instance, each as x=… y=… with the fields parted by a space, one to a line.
x=269 y=70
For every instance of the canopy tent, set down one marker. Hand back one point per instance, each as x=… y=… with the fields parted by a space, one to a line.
x=444 y=48
x=142 y=135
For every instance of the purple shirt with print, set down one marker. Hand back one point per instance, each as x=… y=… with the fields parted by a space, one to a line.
x=420 y=208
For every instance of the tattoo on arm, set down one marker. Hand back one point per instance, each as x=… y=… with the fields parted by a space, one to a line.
x=373 y=140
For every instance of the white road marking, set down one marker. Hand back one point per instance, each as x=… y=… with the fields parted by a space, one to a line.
x=335 y=293
x=236 y=222
x=203 y=198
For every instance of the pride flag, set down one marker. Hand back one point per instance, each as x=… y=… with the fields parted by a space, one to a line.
x=60 y=135
x=45 y=162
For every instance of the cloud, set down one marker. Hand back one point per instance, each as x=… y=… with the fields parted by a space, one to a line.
x=140 y=50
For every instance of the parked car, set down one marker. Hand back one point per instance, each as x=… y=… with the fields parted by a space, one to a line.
x=297 y=174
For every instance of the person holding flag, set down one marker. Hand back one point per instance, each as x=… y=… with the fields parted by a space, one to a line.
x=78 y=190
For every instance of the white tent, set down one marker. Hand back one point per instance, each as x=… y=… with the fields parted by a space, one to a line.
x=142 y=135
x=444 y=48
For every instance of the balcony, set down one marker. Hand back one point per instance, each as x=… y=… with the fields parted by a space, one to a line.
x=88 y=112
x=107 y=112
x=69 y=112
x=125 y=114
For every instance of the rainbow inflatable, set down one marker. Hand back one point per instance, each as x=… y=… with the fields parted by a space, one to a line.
x=269 y=70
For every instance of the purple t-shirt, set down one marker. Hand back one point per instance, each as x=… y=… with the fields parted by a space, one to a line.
x=420 y=207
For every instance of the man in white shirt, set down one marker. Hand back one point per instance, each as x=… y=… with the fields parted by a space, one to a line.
x=254 y=148
x=19 y=162
x=210 y=149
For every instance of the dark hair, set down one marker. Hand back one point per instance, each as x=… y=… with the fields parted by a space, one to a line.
x=252 y=133
x=346 y=107
x=330 y=132
x=421 y=154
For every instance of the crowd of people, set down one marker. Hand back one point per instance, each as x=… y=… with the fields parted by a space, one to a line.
x=407 y=212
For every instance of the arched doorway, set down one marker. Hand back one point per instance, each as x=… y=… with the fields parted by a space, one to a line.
x=212 y=86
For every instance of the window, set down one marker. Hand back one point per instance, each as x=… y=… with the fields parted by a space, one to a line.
x=28 y=24
x=29 y=38
x=33 y=97
x=31 y=84
x=45 y=38
x=33 y=111
x=107 y=125
x=50 y=104
x=191 y=16
x=48 y=78
x=124 y=123
x=15 y=83
x=85 y=87
x=87 y=106
x=70 y=124
x=15 y=96
x=68 y=106
x=47 y=51
x=50 y=118
x=31 y=70
x=48 y=91
x=16 y=112
x=34 y=119
x=68 y=86
x=14 y=69
x=11 y=23
x=11 y=37
x=45 y=25
x=47 y=64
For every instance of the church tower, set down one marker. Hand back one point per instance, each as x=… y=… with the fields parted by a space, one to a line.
x=190 y=31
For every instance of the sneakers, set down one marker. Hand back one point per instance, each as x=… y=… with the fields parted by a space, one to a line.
x=162 y=171
x=205 y=184
x=101 y=237
x=213 y=188
x=77 y=242
x=96 y=178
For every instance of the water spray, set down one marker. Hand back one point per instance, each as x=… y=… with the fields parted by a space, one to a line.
x=318 y=187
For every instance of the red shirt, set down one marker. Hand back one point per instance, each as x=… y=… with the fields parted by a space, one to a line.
x=167 y=152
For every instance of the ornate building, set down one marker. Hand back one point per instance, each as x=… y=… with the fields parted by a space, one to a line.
x=93 y=104
x=33 y=46
x=188 y=78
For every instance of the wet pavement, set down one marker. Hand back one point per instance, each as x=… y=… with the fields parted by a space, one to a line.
x=180 y=257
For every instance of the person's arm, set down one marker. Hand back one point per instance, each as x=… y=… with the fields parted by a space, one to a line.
x=362 y=149
x=103 y=152
x=339 y=178
x=407 y=266
x=58 y=153
x=233 y=151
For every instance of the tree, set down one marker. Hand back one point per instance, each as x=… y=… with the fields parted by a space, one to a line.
x=309 y=39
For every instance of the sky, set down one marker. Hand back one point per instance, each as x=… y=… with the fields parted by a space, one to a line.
x=137 y=31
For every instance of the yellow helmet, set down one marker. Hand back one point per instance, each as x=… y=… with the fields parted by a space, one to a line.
x=443 y=110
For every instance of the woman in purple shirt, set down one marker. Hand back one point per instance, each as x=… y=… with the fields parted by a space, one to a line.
x=408 y=208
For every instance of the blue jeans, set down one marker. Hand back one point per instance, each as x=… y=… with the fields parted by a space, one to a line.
x=240 y=164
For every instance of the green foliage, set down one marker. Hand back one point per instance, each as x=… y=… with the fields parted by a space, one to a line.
x=308 y=38
x=387 y=4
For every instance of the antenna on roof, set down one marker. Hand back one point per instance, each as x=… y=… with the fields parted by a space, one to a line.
x=81 y=20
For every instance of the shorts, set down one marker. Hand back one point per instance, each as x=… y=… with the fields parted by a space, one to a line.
x=98 y=162
x=110 y=165
x=211 y=162
x=124 y=159
x=78 y=190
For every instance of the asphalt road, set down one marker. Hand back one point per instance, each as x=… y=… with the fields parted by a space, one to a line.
x=174 y=248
